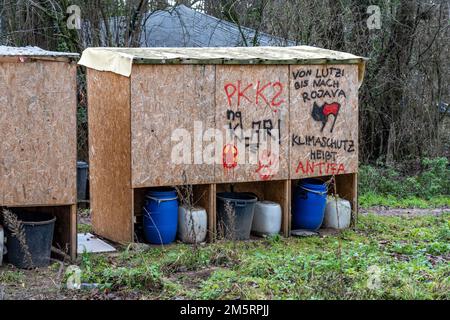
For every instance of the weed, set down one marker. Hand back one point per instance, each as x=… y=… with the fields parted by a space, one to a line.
x=226 y=229
x=11 y=277
x=432 y=181
x=17 y=231
x=84 y=228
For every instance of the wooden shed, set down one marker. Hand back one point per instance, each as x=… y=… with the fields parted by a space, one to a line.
x=38 y=150
x=303 y=100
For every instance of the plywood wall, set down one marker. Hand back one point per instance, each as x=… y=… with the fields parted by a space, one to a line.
x=252 y=112
x=171 y=105
x=272 y=122
x=110 y=155
x=38 y=133
x=322 y=96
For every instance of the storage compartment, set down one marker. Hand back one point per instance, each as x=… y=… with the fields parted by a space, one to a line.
x=235 y=211
x=275 y=191
x=200 y=196
x=64 y=231
x=345 y=186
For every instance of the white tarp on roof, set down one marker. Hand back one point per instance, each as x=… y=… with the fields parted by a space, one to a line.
x=120 y=60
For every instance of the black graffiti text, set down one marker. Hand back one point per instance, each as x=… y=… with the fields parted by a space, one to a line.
x=323 y=142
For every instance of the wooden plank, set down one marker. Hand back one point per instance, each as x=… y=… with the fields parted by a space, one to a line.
x=245 y=62
x=315 y=92
x=63 y=236
x=204 y=196
x=38 y=129
x=165 y=99
x=73 y=232
x=139 y=202
x=347 y=188
x=110 y=155
x=213 y=213
x=252 y=101
x=27 y=59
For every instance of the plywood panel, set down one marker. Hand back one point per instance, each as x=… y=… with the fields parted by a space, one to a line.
x=110 y=155
x=171 y=105
x=324 y=120
x=205 y=197
x=252 y=107
x=38 y=133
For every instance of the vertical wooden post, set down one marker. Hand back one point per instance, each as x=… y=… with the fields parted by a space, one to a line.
x=205 y=196
x=73 y=232
x=347 y=188
x=110 y=155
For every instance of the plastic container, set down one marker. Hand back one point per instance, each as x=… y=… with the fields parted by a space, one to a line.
x=38 y=229
x=308 y=207
x=161 y=216
x=338 y=213
x=82 y=174
x=192 y=224
x=237 y=224
x=267 y=218
x=2 y=242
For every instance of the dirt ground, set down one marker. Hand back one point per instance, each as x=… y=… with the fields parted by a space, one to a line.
x=45 y=283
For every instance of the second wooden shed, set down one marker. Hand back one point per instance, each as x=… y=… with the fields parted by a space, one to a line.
x=38 y=149
x=304 y=98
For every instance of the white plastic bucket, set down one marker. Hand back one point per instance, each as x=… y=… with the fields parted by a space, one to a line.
x=267 y=218
x=192 y=224
x=338 y=213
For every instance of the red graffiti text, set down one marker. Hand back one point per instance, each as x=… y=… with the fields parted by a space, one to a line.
x=259 y=93
x=309 y=167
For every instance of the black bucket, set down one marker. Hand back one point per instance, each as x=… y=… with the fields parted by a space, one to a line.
x=243 y=205
x=38 y=228
x=82 y=174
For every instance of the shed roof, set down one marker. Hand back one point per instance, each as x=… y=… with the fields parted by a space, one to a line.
x=120 y=60
x=36 y=53
x=182 y=26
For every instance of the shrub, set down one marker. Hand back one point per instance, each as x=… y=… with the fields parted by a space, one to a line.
x=431 y=181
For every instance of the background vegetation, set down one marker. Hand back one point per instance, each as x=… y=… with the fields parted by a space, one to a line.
x=395 y=185
x=402 y=129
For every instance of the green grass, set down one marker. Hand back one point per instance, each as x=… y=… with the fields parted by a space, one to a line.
x=392 y=186
x=383 y=258
x=371 y=199
x=11 y=276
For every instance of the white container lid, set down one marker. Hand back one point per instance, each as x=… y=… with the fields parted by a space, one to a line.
x=268 y=203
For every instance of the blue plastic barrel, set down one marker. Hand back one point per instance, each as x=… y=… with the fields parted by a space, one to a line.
x=161 y=216
x=308 y=207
